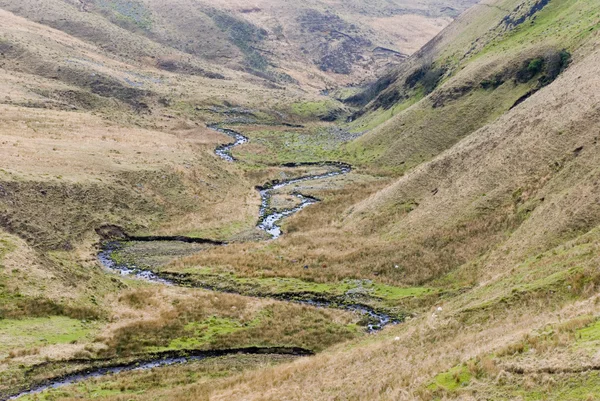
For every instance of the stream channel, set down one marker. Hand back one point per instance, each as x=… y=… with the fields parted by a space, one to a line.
x=269 y=221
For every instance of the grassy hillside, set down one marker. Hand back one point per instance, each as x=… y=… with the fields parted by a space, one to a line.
x=472 y=213
x=94 y=137
x=471 y=74
x=104 y=110
x=507 y=216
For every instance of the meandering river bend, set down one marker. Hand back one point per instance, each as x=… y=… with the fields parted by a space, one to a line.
x=269 y=221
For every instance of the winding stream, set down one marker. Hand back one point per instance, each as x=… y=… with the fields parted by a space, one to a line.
x=269 y=220
x=167 y=358
x=224 y=151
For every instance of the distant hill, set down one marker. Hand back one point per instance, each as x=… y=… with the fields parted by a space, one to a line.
x=319 y=44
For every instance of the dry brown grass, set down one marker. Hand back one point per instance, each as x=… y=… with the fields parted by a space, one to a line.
x=502 y=169
x=395 y=365
x=314 y=238
x=60 y=154
x=526 y=165
x=162 y=40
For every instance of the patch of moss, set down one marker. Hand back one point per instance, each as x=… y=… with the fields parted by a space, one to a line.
x=589 y=336
x=32 y=332
x=6 y=247
x=198 y=334
x=568 y=388
x=376 y=295
x=452 y=380
x=315 y=109
x=129 y=12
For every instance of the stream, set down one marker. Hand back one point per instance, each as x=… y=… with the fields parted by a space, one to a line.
x=268 y=222
x=224 y=151
x=268 y=218
x=159 y=360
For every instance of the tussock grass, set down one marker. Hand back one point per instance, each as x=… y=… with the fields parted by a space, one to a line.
x=205 y=320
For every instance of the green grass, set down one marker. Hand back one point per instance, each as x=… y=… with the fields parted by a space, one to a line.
x=6 y=247
x=564 y=272
x=310 y=145
x=198 y=334
x=391 y=293
x=372 y=120
x=565 y=23
x=378 y=295
x=563 y=388
x=274 y=147
x=413 y=131
x=589 y=337
x=139 y=383
x=568 y=389
x=275 y=324
x=314 y=109
x=224 y=232
x=451 y=380
x=33 y=332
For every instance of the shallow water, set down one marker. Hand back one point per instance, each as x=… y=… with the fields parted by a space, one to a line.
x=269 y=219
x=224 y=151
x=94 y=373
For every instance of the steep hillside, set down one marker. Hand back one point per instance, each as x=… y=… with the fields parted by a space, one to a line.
x=493 y=57
x=409 y=235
